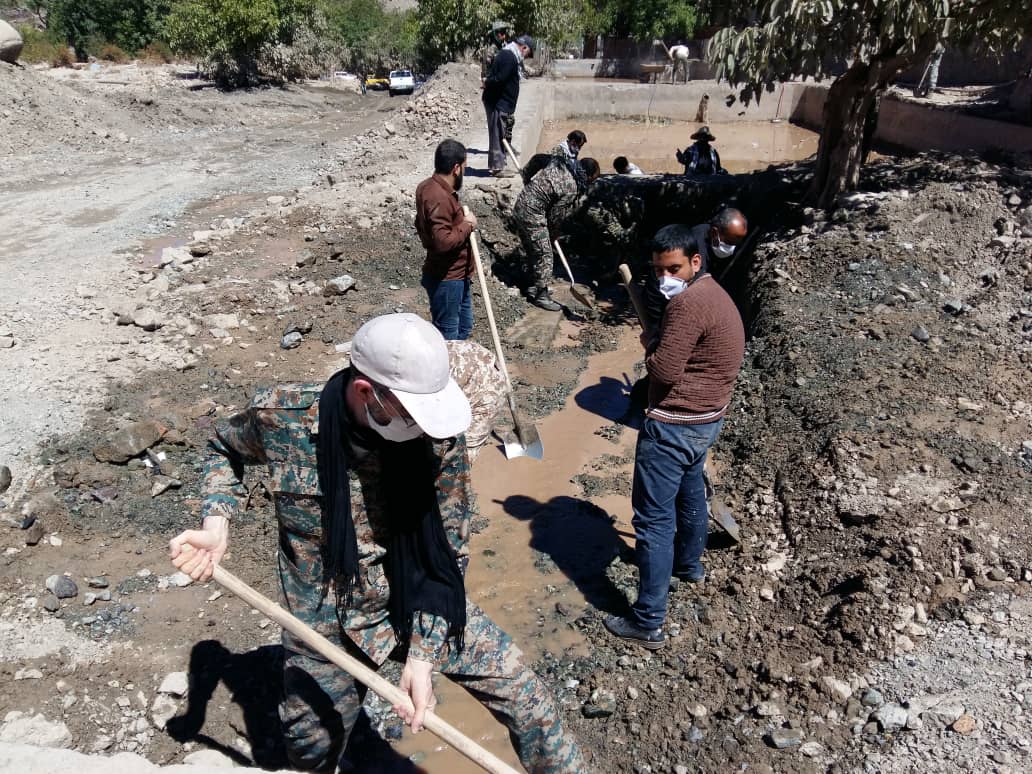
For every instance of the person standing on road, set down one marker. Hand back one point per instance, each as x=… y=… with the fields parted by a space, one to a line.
x=444 y=230
x=371 y=484
x=717 y=241
x=693 y=362
x=501 y=93
x=540 y=209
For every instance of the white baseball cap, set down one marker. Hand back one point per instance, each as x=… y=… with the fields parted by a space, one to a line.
x=408 y=356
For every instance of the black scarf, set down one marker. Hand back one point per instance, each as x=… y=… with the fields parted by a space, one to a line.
x=421 y=567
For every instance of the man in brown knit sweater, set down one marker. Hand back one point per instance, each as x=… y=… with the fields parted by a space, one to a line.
x=444 y=230
x=693 y=362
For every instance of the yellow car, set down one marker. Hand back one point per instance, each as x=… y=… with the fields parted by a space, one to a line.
x=377 y=83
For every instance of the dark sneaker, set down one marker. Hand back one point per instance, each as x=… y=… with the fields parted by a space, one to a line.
x=541 y=298
x=688 y=577
x=625 y=630
x=502 y=173
x=698 y=575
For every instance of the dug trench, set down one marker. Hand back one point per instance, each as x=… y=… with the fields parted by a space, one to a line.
x=874 y=459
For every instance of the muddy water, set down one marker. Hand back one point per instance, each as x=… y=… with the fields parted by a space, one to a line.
x=546 y=545
x=743 y=146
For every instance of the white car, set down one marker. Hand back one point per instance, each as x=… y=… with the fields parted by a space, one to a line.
x=401 y=82
x=343 y=75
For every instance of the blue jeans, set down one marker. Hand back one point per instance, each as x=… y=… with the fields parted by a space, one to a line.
x=670 y=514
x=451 y=307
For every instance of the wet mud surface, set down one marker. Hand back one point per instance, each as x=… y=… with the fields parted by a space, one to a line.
x=652 y=145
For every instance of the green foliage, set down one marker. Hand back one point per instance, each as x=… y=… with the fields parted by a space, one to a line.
x=157 y=52
x=88 y=24
x=39 y=46
x=450 y=30
x=642 y=19
x=241 y=41
x=372 y=39
x=871 y=40
x=797 y=38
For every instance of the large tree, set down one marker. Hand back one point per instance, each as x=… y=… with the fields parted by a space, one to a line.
x=869 y=42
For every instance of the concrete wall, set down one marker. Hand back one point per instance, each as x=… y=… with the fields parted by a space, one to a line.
x=920 y=126
x=907 y=124
x=698 y=69
x=679 y=102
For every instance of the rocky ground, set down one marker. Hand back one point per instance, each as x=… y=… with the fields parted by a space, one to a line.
x=879 y=454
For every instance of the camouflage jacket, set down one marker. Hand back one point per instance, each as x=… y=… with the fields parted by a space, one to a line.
x=279 y=430
x=549 y=198
x=486 y=56
x=474 y=369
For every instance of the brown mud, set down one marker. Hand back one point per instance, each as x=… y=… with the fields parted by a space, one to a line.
x=652 y=145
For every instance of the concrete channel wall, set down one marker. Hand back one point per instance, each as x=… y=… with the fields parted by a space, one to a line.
x=906 y=124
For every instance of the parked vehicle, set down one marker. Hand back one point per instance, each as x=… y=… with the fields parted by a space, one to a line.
x=343 y=75
x=401 y=82
x=377 y=84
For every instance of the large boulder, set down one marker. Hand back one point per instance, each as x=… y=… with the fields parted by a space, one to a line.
x=10 y=43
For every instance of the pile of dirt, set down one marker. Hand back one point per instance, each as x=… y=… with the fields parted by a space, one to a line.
x=38 y=111
x=879 y=457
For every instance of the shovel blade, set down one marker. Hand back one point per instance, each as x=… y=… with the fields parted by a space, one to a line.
x=722 y=516
x=513 y=448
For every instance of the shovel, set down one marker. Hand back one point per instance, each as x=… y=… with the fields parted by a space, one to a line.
x=512 y=156
x=635 y=294
x=527 y=441
x=581 y=292
x=336 y=655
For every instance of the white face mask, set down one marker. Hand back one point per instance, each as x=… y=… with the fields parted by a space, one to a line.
x=671 y=286
x=398 y=430
x=722 y=250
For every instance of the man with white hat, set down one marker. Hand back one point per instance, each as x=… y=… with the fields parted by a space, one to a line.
x=371 y=485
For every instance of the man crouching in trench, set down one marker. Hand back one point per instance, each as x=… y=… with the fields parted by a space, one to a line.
x=372 y=491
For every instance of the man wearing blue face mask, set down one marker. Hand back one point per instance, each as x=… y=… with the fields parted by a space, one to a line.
x=717 y=241
x=693 y=361
x=371 y=484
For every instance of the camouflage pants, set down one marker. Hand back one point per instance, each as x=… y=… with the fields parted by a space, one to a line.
x=321 y=702
x=537 y=243
x=508 y=122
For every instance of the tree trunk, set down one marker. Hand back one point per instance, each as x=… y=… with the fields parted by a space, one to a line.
x=850 y=99
x=838 y=154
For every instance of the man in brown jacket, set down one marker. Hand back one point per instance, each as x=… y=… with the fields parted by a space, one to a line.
x=444 y=231
x=693 y=363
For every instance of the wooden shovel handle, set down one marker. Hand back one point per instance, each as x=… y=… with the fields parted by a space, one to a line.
x=475 y=249
x=635 y=293
x=383 y=688
x=512 y=155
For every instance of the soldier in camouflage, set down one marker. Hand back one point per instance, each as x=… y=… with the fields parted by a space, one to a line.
x=397 y=392
x=474 y=369
x=542 y=206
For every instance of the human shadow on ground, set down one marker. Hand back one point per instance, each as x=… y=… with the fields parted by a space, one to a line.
x=580 y=538
x=614 y=399
x=255 y=682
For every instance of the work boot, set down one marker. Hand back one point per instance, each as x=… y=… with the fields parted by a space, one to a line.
x=541 y=298
x=503 y=173
x=626 y=630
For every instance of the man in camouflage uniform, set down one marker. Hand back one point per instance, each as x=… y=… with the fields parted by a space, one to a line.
x=542 y=206
x=474 y=369
x=280 y=429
